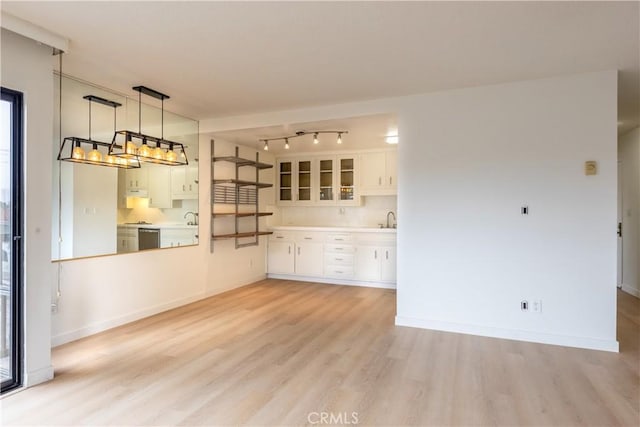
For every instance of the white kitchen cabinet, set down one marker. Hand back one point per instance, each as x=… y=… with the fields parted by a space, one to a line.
x=308 y=259
x=127 y=239
x=367 y=263
x=333 y=256
x=281 y=257
x=305 y=182
x=388 y=269
x=347 y=188
x=137 y=182
x=184 y=182
x=378 y=173
x=325 y=180
x=159 y=187
x=175 y=237
x=284 y=182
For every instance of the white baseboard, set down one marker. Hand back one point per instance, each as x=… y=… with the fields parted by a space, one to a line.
x=38 y=376
x=631 y=290
x=102 y=326
x=512 y=334
x=332 y=281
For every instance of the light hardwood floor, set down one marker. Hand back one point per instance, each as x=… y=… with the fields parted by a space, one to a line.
x=273 y=352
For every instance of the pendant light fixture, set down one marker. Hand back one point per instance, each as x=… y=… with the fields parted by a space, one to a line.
x=73 y=145
x=127 y=144
x=298 y=134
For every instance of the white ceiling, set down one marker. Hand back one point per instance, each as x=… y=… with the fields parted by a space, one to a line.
x=363 y=133
x=230 y=58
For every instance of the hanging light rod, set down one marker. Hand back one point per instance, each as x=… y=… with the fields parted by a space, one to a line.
x=298 y=134
x=163 y=152
x=77 y=154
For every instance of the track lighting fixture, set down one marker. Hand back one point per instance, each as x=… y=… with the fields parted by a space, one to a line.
x=303 y=133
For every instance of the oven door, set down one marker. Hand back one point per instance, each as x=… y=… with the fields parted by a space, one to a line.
x=148 y=238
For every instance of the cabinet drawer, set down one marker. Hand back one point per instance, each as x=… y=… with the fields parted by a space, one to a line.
x=310 y=236
x=340 y=249
x=281 y=236
x=337 y=271
x=339 y=237
x=338 y=259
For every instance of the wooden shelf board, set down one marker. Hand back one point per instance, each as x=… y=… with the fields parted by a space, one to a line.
x=240 y=235
x=243 y=214
x=242 y=162
x=241 y=182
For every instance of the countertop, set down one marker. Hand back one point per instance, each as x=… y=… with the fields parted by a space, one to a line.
x=160 y=225
x=335 y=229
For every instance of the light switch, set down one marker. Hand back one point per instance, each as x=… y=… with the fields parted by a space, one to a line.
x=590 y=167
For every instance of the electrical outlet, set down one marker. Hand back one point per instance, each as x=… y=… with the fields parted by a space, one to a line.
x=524 y=305
x=536 y=306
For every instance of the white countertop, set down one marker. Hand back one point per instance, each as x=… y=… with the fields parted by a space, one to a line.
x=335 y=229
x=159 y=225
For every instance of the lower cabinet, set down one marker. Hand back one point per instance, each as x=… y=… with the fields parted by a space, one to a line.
x=174 y=237
x=127 y=239
x=350 y=258
x=281 y=257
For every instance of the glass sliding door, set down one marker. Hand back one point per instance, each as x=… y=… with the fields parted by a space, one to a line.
x=11 y=184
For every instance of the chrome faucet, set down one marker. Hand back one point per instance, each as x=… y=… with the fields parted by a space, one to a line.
x=195 y=218
x=394 y=219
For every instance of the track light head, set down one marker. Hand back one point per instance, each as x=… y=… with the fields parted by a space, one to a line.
x=286 y=143
x=339 y=141
x=266 y=145
x=315 y=138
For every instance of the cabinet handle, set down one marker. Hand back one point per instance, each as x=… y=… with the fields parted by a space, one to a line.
x=379 y=180
x=387 y=254
x=150 y=200
x=339 y=249
x=189 y=187
x=338 y=272
x=289 y=249
x=184 y=188
x=298 y=250
x=136 y=182
x=130 y=183
x=375 y=254
x=279 y=237
x=390 y=180
x=338 y=240
x=308 y=238
x=338 y=259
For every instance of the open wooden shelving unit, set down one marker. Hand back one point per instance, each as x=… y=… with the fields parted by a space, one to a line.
x=236 y=192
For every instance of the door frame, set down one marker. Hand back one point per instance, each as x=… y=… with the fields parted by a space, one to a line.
x=17 y=245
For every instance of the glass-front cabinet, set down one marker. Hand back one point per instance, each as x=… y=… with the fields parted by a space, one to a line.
x=318 y=181
x=285 y=182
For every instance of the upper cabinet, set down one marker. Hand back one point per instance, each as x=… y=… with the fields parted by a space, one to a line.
x=325 y=180
x=378 y=173
x=184 y=182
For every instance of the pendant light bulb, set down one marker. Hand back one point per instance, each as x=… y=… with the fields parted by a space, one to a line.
x=78 y=152
x=158 y=153
x=144 y=150
x=94 y=155
x=339 y=141
x=315 y=138
x=266 y=145
x=112 y=160
x=286 y=143
x=171 y=155
x=131 y=148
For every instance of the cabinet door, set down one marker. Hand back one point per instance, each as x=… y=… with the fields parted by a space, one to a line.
x=280 y=258
x=159 y=187
x=372 y=171
x=392 y=169
x=309 y=259
x=388 y=264
x=191 y=181
x=137 y=178
x=347 y=179
x=285 y=182
x=178 y=182
x=368 y=263
x=304 y=182
x=326 y=180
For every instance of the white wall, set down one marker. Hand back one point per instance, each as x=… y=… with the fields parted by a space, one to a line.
x=629 y=156
x=467 y=257
x=104 y=292
x=468 y=160
x=26 y=67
